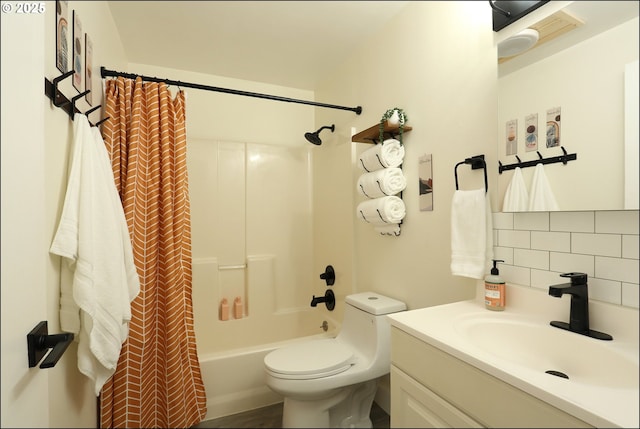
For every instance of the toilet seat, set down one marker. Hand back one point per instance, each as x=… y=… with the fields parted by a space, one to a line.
x=312 y=359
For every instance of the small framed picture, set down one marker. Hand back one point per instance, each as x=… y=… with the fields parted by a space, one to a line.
x=553 y=127
x=531 y=132
x=62 y=36
x=512 y=137
x=88 y=67
x=425 y=185
x=78 y=38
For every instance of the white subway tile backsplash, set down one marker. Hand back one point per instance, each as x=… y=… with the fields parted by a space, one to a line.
x=517 y=275
x=569 y=262
x=555 y=241
x=504 y=253
x=502 y=220
x=534 y=221
x=630 y=246
x=572 y=221
x=604 y=245
x=597 y=244
x=605 y=290
x=624 y=270
x=630 y=295
x=520 y=239
x=617 y=222
x=531 y=258
x=543 y=279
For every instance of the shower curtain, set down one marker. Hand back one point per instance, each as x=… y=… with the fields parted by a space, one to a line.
x=157 y=382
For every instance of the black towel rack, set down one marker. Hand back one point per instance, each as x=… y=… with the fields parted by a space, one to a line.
x=476 y=162
x=564 y=158
x=60 y=100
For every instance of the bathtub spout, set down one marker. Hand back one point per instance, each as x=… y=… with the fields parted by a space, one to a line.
x=329 y=300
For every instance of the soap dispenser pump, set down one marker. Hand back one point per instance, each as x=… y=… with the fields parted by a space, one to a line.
x=494 y=289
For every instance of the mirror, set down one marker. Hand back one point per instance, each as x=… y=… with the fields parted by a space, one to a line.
x=572 y=83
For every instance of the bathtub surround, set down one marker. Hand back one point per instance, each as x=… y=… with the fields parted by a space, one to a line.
x=538 y=247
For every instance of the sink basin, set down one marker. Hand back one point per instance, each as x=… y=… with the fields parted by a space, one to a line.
x=519 y=346
x=542 y=348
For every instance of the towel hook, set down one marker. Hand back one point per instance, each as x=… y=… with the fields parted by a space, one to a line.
x=76 y=98
x=56 y=91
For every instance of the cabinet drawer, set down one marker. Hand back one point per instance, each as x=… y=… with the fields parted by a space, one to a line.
x=482 y=397
x=415 y=406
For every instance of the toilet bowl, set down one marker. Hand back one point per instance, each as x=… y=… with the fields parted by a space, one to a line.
x=332 y=382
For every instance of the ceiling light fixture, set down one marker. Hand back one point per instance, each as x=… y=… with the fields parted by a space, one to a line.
x=518 y=43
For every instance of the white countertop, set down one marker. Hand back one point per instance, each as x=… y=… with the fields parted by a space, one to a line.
x=610 y=406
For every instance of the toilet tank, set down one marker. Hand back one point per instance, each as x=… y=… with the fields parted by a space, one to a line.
x=366 y=327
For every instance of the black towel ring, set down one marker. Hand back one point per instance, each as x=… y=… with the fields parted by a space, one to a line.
x=476 y=163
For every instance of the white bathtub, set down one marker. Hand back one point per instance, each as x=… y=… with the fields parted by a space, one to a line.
x=234 y=380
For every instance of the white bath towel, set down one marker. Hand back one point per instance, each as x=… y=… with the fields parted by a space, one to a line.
x=383 y=182
x=541 y=197
x=471 y=233
x=93 y=236
x=382 y=211
x=516 y=198
x=389 y=153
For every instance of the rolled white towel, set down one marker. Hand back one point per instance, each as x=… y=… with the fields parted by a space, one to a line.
x=382 y=211
x=388 y=154
x=383 y=182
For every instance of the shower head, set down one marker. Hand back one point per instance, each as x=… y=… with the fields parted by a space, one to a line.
x=315 y=137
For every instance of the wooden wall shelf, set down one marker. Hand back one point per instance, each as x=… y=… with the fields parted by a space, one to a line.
x=372 y=134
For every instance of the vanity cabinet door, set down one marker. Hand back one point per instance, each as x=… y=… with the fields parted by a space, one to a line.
x=415 y=406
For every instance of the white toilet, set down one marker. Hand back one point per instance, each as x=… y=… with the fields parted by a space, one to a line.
x=332 y=382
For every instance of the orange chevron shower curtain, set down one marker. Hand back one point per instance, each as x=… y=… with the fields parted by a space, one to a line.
x=157 y=382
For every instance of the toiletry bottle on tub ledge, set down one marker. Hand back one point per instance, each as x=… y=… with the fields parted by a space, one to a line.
x=494 y=289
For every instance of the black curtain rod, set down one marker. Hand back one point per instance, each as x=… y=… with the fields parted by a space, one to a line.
x=110 y=73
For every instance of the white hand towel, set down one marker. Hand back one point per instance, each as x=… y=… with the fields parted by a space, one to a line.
x=541 y=197
x=471 y=233
x=93 y=236
x=382 y=211
x=516 y=198
x=383 y=182
x=389 y=153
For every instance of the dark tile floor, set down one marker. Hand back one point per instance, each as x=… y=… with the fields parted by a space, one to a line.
x=271 y=417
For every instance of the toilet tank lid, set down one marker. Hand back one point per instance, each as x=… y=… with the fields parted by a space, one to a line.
x=375 y=303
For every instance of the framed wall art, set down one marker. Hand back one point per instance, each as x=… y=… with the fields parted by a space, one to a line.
x=88 y=67
x=62 y=35
x=78 y=38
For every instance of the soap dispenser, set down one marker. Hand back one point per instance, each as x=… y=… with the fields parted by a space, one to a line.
x=494 y=289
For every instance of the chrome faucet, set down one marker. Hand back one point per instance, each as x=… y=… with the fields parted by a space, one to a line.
x=579 y=311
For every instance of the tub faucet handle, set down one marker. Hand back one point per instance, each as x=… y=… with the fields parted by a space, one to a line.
x=329 y=300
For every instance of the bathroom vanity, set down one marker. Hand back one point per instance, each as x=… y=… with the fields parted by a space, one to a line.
x=459 y=365
x=430 y=388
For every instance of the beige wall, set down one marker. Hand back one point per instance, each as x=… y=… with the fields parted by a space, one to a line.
x=437 y=61
x=23 y=258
